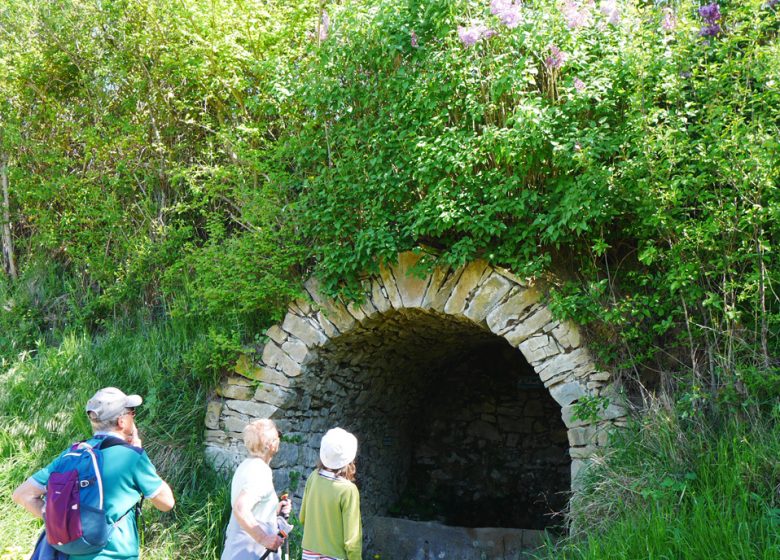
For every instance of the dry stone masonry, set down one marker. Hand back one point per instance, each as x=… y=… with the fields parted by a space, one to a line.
x=460 y=386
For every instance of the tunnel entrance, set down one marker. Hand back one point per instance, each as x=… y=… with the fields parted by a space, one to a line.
x=462 y=388
x=454 y=424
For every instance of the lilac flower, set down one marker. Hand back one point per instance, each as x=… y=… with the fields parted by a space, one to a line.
x=711 y=16
x=470 y=35
x=324 y=25
x=557 y=58
x=771 y=4
x=669 y=21
x=577 y=14
x=710 y=30
x=710 y=13
x=508 y=11
x=579 y=85
x=611 y=11
x=413 y=40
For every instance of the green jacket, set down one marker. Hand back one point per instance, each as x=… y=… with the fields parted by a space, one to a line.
x=330 y=514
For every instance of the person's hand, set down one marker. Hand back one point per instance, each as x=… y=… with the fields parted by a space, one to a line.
x=134 y=439
x=285 y=507
x=271 y=542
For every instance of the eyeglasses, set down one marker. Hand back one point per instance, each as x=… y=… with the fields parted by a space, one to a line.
x=130 y=411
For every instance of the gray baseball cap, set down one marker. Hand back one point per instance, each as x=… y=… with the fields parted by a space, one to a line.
x=110 y=403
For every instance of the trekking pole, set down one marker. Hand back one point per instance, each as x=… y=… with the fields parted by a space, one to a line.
x=286 y=541
x=282 y=534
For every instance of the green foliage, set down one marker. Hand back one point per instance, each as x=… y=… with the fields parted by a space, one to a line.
x=681 y=490
x=42 y=396
x=197 y=159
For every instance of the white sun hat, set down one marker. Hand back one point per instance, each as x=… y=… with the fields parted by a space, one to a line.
x=338 y=448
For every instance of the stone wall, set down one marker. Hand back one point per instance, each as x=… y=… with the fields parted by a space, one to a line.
x=391 y=371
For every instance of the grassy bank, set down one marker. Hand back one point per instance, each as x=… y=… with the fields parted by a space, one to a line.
x=42 y=395
x=702 y=488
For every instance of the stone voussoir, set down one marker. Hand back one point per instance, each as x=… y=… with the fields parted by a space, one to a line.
x=378 y=295
x=516 y=306
x=468 y=281
x=310 y=332
x=529 y=325
x=487 y=296
x=539 y=348
x=411 y=287
x=277 y=358
x=389 y=285
x=334 y=310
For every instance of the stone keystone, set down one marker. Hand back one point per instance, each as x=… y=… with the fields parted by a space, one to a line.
x=469 y=279
x=487 y=296
x=410 y=287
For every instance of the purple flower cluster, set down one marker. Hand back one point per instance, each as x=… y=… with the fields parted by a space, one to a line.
x=414 y=41
x=556 y=59
x=507 y=11
x=579 y=85
x=771 y=4
x=711 y=16
x=470 y=35
x=324 y=25
x=577 y=14
x=669 y=21
x=611 y=11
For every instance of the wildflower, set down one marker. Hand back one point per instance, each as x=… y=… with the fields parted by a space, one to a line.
x=508 y=11
x=557 y=58
x=711 y=16
x=579 y=85
x=324 y=26
x=576 y=14
x=611 y=11
x=771 y=4
x=710 y=13
x=414 y=42
x=470 y=35
x=669 y=21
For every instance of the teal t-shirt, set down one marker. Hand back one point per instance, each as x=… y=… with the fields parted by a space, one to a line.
x=127 y=473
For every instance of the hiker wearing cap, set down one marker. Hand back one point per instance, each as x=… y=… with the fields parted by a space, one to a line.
x=330 y=512
x=127 y=474
x=253 y=527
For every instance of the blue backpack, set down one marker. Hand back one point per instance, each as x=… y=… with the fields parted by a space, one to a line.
x=74 y=512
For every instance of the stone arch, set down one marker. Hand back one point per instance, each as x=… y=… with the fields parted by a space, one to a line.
x=482 y=301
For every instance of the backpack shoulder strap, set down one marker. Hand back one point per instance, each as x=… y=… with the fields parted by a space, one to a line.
x=113 y=441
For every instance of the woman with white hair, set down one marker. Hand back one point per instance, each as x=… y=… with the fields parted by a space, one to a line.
x=330 y=512
x=253 y=520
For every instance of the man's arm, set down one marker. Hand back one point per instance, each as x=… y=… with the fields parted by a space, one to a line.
x=30 y=495
x=163 y=499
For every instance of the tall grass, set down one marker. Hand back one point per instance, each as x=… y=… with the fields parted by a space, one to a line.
x=672 y=489
x=42 y=398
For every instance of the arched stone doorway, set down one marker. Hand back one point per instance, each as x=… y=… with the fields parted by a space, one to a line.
x=460 y=386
